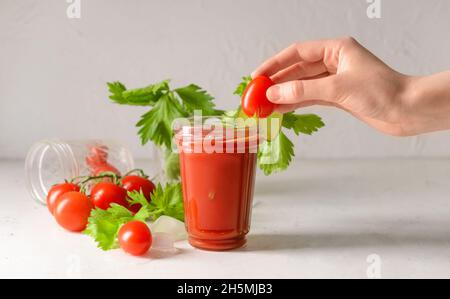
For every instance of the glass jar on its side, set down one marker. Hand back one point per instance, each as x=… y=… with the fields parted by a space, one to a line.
x=52 y=161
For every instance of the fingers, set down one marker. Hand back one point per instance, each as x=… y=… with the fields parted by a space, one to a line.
x=311 y=51
x=292 y=107
x=283 y=59
x=298 y=91
x=300 y=70
x=286 y=108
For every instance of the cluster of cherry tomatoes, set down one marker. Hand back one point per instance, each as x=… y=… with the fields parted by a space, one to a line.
x=71 y=206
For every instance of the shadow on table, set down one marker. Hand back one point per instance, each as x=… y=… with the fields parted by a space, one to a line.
x=270 y=242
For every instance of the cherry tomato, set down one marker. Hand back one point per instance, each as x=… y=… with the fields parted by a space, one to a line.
x=135 y=238
x=72 y=210
x=254 y=99
x=105 y=193
x=138 y=183
x=58 y=190
x=99 y=154
x=97 y=160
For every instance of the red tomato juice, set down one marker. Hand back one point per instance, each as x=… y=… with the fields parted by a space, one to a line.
x=217 y=193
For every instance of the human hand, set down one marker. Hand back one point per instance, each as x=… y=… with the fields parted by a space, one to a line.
x=343 y=74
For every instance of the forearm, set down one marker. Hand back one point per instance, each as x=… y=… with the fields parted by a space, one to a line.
x=427 y=103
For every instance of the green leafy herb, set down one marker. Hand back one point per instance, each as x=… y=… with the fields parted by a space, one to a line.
x=116 y=89
x=144 y=212
x=242 y=86
x=275 y=155
x=194 y=98
x=104 y=225
x=171 y=165
x=167 y=201
x=167 y=105
x=145 y=96
x=302 y=123
x=271 y=126
x=156 y=125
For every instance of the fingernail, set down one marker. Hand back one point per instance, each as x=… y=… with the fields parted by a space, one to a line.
x=273 y=93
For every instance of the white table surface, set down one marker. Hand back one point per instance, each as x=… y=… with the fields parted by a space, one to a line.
x=318 y=219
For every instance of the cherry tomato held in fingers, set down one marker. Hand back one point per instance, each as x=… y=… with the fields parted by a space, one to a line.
x=135 y=238
x=254 y=99
x=72 y=210
x=105 y=193
x=58 y=190
x=138 y=183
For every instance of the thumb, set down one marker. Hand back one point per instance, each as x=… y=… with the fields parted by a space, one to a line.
x=297 y=91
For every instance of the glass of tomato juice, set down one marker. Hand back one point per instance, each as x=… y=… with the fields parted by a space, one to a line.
x=217 y=164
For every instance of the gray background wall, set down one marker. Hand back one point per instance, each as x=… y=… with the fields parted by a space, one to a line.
x=53 y=69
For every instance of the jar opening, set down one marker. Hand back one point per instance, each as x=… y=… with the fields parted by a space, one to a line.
x=216 y=135
x=48 y=162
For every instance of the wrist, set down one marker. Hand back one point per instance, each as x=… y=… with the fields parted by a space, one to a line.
x=408 y=99
x=426 y=103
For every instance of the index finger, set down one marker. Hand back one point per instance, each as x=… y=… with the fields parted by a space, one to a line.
x=311 y=51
